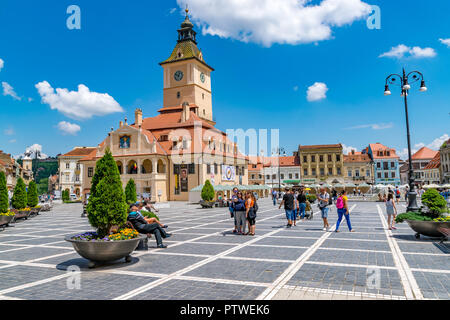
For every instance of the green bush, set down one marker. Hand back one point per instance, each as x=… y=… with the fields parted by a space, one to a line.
x=208 y=191
x=311 y=198
x=130 y=192
x=32 y=196
x=4 y=199
x=148 y=214
x=19 y=199
x=65 y=195
x=412 y=216
x=107 y=206
x=435 y=203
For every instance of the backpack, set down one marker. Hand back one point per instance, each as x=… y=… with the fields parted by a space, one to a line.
x=330 y=201
x=252 y=211
x=340 y=203
x=398 y=191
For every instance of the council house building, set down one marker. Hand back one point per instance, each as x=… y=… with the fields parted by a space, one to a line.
x=178 y=150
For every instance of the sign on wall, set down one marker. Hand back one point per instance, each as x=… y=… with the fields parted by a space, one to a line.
x=228 y=173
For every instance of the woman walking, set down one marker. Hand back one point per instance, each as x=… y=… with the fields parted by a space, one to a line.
x=301 y=204
x=250 y=213
x=391 y=211
x=342 y=209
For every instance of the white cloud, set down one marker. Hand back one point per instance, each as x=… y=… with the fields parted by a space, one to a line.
x=295 y=88
x=8 y=90
x=274 y=21
x=347 y=149
x=172 y=11
x=402 y=51
x=12 y=141
x=32 y=151
x=2 y=64
x=316 y=92
x=68 y=128
x=374 y=126
x=9 y=131
x=443 y=41
x=81 y=104
x=434 y=145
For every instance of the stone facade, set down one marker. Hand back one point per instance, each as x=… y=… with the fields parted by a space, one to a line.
x=358 y=168
x=445 y=162
x=321 y=163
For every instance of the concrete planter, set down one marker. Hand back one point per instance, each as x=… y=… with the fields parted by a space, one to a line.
x=104 y=251
x=207 y=204
x=5 y=220
x=21 y=214
x=428 y=228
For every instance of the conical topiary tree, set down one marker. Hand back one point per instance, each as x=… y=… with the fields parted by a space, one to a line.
x=4 y=199
x=130 y=192
x=19 y=199
x=107 y=206
x=32 y=196
x=208 y=191
x=435 y=203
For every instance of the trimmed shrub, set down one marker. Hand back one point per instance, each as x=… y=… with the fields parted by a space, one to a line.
x=107 y=206
x=65 y=196
x=412 y=216
x=19 y=199
x=208 y=191
x=4 y=199
x=130 y=192
x=434 y=202
x=32 y=196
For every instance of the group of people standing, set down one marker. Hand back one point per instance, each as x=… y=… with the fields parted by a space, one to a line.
x=295 y=206
x=243 y=209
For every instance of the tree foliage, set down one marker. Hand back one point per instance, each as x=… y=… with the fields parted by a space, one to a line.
x=107 y=205
x=434 y=202
x=4 y=199
x=65 y=195
x=208 y=191
x=130 y=192
x=19 y=199
x=32 y=196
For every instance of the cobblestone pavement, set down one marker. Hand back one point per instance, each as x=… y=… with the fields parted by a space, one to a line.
x=206 y=261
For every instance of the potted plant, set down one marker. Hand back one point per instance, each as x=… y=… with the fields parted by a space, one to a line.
x=19 y=200
x=311 y=198
x=130 y=192
x=432 y=217
x=6 y=216
x=207 y=195
x=107 y=213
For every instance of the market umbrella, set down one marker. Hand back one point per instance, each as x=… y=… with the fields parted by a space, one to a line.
x=433 y=186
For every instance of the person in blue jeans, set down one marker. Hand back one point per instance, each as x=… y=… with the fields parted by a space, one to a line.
x=274 y=197
x=323 y=198
x=342 y=210
x=301 y=198
x=288 y=201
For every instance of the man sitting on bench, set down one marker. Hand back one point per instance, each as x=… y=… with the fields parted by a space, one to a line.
x=143 y=226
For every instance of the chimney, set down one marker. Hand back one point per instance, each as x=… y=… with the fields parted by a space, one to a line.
x=120 y=124
x=126 y=119
x=186 y=112
x=138 y=117
x=353 y=151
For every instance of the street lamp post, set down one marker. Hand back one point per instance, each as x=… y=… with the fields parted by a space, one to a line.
x=405 y=81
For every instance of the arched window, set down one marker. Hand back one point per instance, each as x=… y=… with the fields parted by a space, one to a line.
x=120 y=166
x=132 y=167
x=161 y=166
x=147 y=166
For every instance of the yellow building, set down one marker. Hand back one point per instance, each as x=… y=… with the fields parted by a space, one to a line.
x=358 y=168
x=321 y=163
x=179 y=149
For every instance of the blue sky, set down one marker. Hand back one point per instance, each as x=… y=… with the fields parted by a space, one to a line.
x=259 y=82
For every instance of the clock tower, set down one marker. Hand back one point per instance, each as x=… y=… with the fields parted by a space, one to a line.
x=187 y=77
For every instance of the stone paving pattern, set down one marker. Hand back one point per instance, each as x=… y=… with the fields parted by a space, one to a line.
x=205 y=261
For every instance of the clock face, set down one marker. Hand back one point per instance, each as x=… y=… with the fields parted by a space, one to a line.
x=178 y=75
x=202 y=77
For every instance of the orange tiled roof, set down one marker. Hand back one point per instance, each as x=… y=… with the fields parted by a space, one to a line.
x=379 y=147
x=356 y=157
x=321 y=146
x=435 y=162
x=423 y=154
x=290 y=161
x=79 y=152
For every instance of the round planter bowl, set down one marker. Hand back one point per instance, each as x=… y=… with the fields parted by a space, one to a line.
x=5 y=220
x=428 y=228
x=104 y=251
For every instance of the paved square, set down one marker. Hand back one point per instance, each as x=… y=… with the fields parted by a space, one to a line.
x=205 y=260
